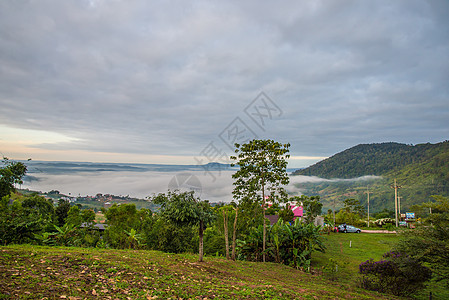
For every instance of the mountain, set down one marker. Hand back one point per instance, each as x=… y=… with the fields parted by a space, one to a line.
x=421 y=170
x=384 y=159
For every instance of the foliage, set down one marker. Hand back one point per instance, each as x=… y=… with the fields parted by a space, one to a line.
x=184 y=209
x=261 y=174
x=134 y=239
x=430 y=244
x=397 y=274
x=168 y=237
x=26 y=217
x=353 y=206
x=385 y=213
x=11 y=173
x=262 y=168
x=122 y=219
x=439 y=209
x=344 y=217
x=62 y=211
x=286 y=214
x=292 y=245
x=73 y=216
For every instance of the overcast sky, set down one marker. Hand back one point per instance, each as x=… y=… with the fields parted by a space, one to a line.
x=179 y=81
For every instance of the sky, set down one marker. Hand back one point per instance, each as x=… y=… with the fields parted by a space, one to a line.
x=179 y=82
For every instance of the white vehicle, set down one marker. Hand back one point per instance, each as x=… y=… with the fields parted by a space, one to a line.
x=348 y=228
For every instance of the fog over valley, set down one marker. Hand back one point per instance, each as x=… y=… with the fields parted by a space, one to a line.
x=212 y=182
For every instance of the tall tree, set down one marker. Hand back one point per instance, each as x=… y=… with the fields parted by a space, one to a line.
x=185 y=209
x=261 y=175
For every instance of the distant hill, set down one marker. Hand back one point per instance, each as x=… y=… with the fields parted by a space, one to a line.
x=421 y=170
x=384 y=159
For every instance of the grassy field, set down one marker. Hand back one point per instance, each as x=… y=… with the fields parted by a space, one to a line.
x=347 y=251
x=350 y=249
x=31 y=272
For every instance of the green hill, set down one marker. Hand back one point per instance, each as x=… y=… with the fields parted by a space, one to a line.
x=384 y=159
x=421 y=170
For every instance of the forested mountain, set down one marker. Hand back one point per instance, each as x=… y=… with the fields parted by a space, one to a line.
x=383 y=159
x=420 y=170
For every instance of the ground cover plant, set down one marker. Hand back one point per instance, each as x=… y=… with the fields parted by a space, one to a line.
x=39 y=272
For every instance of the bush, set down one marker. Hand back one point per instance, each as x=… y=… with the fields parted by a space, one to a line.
x=396 y=274
x=292 y=245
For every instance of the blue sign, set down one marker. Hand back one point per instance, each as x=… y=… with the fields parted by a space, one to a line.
x=410 y=215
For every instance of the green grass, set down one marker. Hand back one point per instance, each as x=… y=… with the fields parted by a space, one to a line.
x=348 y=250
x=32 y=272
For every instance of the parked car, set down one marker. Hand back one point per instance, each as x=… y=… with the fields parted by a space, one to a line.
x=348 y=228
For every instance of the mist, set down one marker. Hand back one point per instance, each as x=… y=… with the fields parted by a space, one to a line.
x=213 y=185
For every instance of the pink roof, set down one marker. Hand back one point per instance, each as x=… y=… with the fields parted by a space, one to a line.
x=297 y=211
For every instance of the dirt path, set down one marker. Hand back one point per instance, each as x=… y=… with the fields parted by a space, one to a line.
x=377 y=231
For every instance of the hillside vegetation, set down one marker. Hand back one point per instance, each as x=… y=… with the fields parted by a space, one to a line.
x=421 y=171
x=385 y=159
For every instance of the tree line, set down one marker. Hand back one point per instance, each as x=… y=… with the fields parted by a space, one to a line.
x=183 y=223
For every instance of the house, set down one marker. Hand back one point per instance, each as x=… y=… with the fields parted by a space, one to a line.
x=100 y=227
x=297 y=213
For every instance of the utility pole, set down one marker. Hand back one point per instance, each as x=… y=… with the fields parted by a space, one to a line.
x=367 y=192
x=399 y=205
x=334 y=210
x=396 y=187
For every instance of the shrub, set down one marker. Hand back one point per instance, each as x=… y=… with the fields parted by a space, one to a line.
x=397 y=274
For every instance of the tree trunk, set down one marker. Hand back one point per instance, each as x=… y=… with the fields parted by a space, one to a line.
x=264 y=226
x=225 y=224
x=201 y=233
x=234 y=233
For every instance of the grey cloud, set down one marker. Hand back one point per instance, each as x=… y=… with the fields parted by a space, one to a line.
x=168 y=78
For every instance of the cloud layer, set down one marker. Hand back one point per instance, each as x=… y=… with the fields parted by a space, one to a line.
x=166 y=78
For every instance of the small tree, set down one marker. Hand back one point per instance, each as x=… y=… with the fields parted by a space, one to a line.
x=185 y=209
x=262 y=174
x=10 y=174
